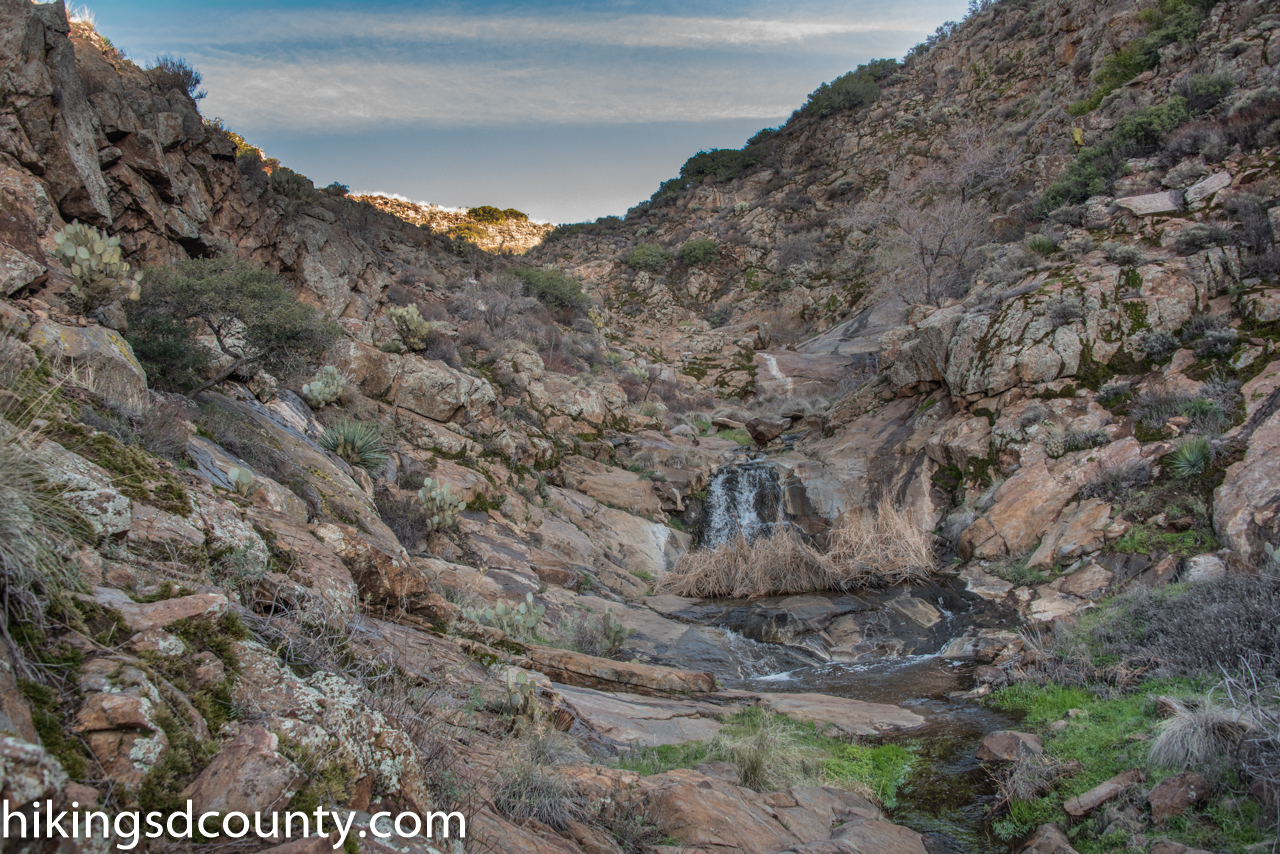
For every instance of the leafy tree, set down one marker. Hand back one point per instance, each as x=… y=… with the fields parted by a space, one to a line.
x=252 y=317
x=488 y=215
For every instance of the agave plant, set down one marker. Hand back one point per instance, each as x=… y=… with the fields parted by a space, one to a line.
x=1190 y=458
x=357 y=442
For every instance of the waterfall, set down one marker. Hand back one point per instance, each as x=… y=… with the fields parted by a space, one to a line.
x=744 y=498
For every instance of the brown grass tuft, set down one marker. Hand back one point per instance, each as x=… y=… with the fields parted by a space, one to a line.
x=865 y=550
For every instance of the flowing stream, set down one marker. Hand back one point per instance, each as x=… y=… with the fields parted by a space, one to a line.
x=948 y=794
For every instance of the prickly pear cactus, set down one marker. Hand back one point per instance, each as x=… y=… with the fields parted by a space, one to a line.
x=517 y=621
x=412 y=328
x=615 y=634
x=325 y=387
x=241 y=479
x=441 y=507
x=522 y=693
x=98 y=275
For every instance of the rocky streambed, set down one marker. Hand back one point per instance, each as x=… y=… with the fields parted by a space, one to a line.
x=898 y=665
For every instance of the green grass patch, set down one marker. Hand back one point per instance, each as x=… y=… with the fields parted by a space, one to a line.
x=773 y=752
x=739 y=435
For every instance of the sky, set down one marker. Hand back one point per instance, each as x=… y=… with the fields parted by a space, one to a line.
x=565 y=110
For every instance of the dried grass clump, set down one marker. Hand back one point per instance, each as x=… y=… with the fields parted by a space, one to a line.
x=864 y=550
x=881 y=550
x=1200 y=734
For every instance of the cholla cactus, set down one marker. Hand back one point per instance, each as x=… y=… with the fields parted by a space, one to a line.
x=241 y=479
x=441 y=507
x=410 y=326
x=325 y=387
x=98 y=275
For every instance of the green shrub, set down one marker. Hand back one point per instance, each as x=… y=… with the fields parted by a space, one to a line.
x=1190 y=458
x=488 y=215
x=1041 y=245
x=515 y=215
x=648 y=256
x=358 y=443
x=702 y=250
x=254 y=320
x=290 y=185
x=1203 y=92
x=851 y=91
x=1096 y=167
x=553 y=288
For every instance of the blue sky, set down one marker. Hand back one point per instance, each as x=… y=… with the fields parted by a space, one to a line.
x=568 y=111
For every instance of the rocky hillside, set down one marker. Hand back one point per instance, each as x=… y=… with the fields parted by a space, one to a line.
x=351 y=507
x=499 y=230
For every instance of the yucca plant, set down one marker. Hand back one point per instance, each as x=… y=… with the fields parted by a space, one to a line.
x=1191 y=458
x=357 y=442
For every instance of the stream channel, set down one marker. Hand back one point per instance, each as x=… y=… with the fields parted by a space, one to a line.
x=866 y=646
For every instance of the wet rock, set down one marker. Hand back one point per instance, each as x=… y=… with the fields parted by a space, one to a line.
x=916 y=610
x=1100 y=794
x=631 y=720
x=984 y=646
x=248 y=775
x=984 y=584
x=1174 y=795
x=1008 y=745
x=574 y=668
x=787 y=373
x=841 y=715
x=1048 y=839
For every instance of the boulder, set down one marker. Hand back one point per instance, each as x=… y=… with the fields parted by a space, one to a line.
x=1048 y=839
x=765 y=430
x=787 y=373
x=631 y=720
x=248 y=775
x=1246 y=505
x=1008 y=745
x=1206 y=187
x=28 y=772
x=117 y=374
x=142 y=616
x=1153 y=203
x=614 y=487
x=1174 y=795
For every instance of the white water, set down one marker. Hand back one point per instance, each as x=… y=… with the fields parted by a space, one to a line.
x=741 y=499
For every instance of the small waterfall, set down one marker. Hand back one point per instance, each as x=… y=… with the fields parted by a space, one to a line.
x=744 y=498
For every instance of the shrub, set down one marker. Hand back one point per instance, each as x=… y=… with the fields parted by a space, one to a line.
x=849 y=92
x=358 y=443
x=1081 y=439
x=98 y=274
x=1153 y=408
x=1113 y=483
x=1203 y=92
x=1216 y=344
x=528 y=786
x=1124 y=254
x=719 y=315
x=600 y=635
x=254 y=320
x=325 y=387
x=1063 y=310
x=175 y=72
x=1077 y=247
x=517 y=216
x=290 y=185
x=1251 y=211
x=487 y=215
x=1199 y=236
x=1158 y=344
x=702 y=250
x=648 y=256
x=1191 y=629
x=1199 y=734
x=158 y=428
x=1190 y=458
x=554 y=289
